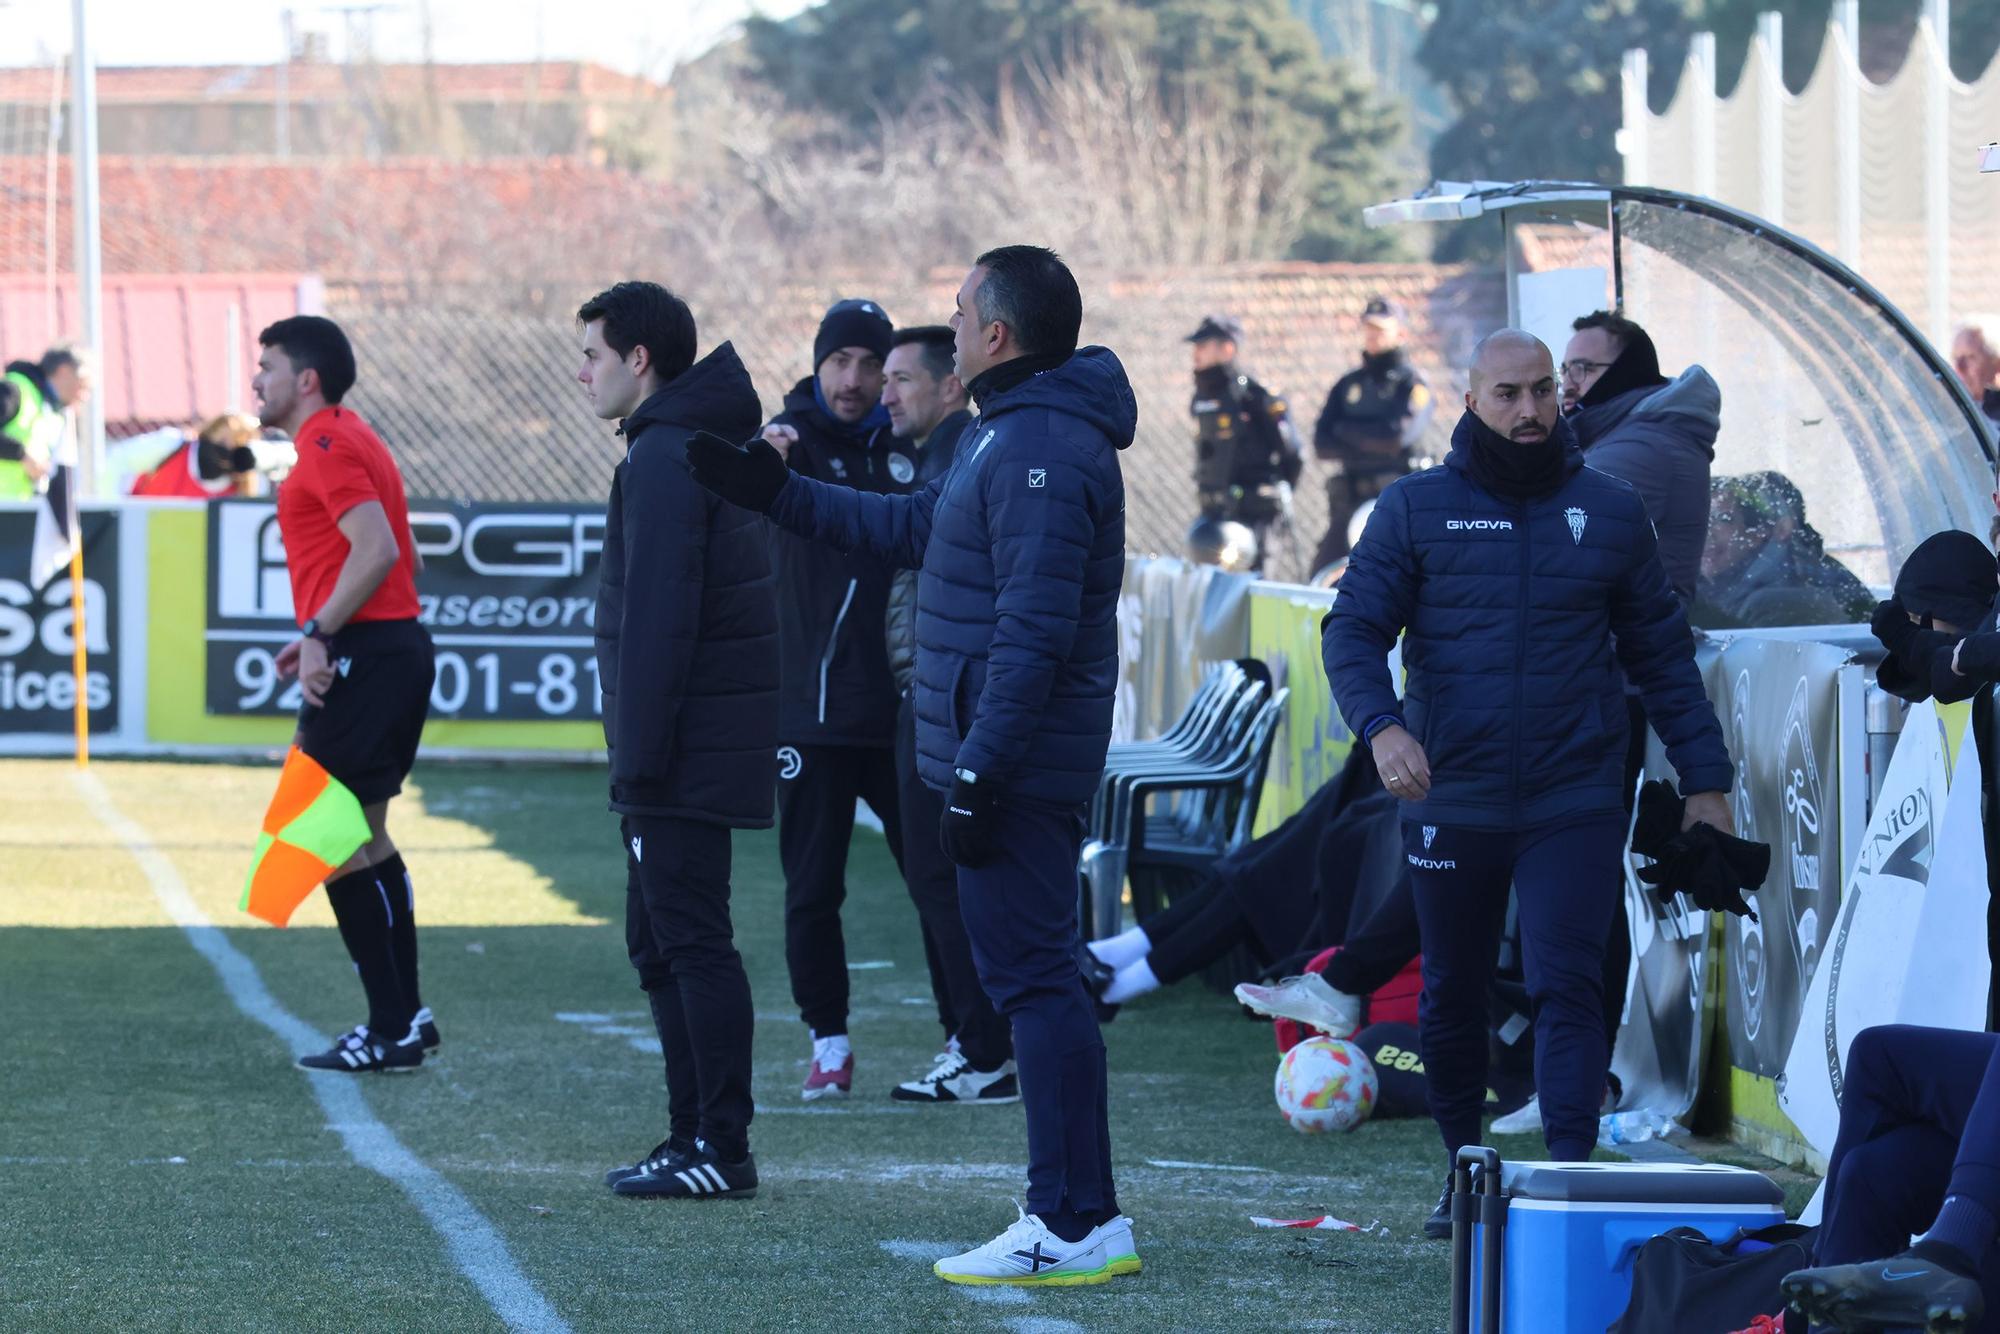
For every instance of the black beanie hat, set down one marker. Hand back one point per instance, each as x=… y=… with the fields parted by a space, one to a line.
x=852 y=323
x=1951 y=577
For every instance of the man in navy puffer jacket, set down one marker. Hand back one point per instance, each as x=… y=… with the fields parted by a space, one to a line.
x=1021 y=546
x=1522 y=582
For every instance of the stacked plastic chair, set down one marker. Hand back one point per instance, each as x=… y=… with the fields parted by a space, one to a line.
x=1202 y=780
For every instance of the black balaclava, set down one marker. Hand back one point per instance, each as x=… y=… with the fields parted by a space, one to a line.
x=1637 y=367
x=1949 y=577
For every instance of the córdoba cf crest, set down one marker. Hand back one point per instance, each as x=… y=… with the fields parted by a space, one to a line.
x=1577 y=519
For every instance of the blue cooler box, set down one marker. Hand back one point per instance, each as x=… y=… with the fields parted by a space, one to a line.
x=1572 y=1231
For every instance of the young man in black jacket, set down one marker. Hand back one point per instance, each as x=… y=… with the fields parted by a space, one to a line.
x=687 y=622
x=837 y=702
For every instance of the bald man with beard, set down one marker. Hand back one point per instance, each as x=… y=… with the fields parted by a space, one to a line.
x=1521 y=582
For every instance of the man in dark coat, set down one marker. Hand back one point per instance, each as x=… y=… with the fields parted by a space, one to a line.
x=1521 y=583
x=1765 y=565
x=837 y=704
x=927 y=410
x=1247 y=452
x=1021 y=548
x=687 y=629
x=1372 y=420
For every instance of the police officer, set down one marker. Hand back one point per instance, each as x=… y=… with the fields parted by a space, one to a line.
x=1373 y=417
x=837 y=700
x=1247 y=452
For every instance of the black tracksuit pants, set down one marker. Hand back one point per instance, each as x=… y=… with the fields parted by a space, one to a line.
x=816 y=796
x=967 y=1013
x=679 y=937
x=1021 y=916
x=1919 y=1120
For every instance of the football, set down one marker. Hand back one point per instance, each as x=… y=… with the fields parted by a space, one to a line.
x=1325 y=1084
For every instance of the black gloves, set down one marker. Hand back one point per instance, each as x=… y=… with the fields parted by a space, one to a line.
x=966 y=832
x=1893 y=626
x=1712 y=868
x=750 y=476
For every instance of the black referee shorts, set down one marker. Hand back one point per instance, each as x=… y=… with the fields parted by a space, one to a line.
x=366 y=733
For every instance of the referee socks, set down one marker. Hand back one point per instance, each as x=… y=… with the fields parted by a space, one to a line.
x=367 y=916
x=394 y=878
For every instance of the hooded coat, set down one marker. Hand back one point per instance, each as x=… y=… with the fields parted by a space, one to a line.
x=1516 y=618
x=689 y=660
x=1661 y=440
x=1021 y=548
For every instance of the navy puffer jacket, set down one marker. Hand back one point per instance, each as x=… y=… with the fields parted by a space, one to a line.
x=1516 y=617
x=1022 y=551
x=689 y=660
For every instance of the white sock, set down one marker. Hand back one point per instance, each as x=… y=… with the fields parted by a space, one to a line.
x=1127 y=947
x=1135 y=979
x=831 y=1053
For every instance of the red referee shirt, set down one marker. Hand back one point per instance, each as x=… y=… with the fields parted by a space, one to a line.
x=343 y=463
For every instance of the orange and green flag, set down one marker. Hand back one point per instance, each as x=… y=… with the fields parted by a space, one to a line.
x=314 y=824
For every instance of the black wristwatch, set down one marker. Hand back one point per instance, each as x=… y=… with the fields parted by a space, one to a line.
x=311 y=630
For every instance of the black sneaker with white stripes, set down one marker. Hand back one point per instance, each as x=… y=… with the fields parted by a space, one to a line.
x=666 y=1156
x=699 y=1176
x=427 y=1029
x=356 y=1052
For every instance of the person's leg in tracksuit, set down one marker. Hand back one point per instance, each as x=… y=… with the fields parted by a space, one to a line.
x=1460 y=881
x=1021 y=917
x=693 y=976
x=983 y=1036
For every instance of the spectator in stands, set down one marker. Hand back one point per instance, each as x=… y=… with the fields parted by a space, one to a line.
x=1975 y=356
x=1372 y=419
x=225 y=457
x=31 y=440
x=927 y=411
x=1918 y=1151
x=837 y=706
x=1764 y=565
x=1247 y=453
x=1516 y=785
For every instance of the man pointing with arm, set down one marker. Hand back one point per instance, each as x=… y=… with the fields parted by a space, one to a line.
x=1022 y=550
x=1521 y=582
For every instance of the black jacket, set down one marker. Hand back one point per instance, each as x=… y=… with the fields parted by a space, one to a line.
x=899 y=621
x=1243 y=434
x=1374 y=414
x=835 y=685
x=688 y=661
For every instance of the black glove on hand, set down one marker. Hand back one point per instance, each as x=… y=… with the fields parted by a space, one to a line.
x=1893 y=626
x=750 y=476
x=1712 y=868
x=966 y=831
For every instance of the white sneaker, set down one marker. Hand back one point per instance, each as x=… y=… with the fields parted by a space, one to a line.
x=1307 y=999
x=954 y=1080
x=1523 y=1120
x=1121 y=1255
x=1029 y=1255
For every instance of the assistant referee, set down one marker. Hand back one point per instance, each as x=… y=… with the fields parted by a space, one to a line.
x=364 y=664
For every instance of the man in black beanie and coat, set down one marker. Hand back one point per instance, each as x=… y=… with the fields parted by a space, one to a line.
x=837 y=698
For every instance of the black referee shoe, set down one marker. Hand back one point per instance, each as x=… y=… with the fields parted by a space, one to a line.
x=700 y=1176
x=357 y=1052
x=666 y=1156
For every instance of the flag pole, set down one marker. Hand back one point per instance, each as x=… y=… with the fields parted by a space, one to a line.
x=80 y=639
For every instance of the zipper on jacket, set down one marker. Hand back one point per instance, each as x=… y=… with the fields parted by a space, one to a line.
x=1521 y=657
x=833 y=639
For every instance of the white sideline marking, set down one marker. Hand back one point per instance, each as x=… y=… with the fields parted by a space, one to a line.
x=993 y=1296
x=475 y=1248
x=1041 y=1324
x=1176 y=1165
x=928 y=1251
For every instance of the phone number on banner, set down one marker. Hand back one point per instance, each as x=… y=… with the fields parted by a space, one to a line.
x=477 y=678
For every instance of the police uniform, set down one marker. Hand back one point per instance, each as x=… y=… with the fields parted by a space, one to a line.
x=1375 y=413
x=1247 y=452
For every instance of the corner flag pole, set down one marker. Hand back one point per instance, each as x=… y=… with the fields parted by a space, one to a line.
x=79 y=636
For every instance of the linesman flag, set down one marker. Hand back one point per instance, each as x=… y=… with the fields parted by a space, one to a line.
x=314 y=824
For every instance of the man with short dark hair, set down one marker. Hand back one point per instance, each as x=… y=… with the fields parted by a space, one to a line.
x=1021 y=547
x=687 y=628
x=926 y=405
x=837 y=703
x=364 y=664
x=1372 y=420
x=32 y=434
x=1520 y=583
x=1247 y=453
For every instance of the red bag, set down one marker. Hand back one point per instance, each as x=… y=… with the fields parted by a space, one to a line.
x=1394 y=1002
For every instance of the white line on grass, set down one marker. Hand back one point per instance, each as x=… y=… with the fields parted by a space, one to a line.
x=476 y=1249
x=1041 y=1324
x=1175 y=1164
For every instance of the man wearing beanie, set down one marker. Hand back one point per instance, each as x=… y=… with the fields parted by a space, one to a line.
x=1527 y=589
x=837 y=697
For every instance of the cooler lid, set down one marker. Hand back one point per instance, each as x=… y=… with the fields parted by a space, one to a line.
x=1639 y=1183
